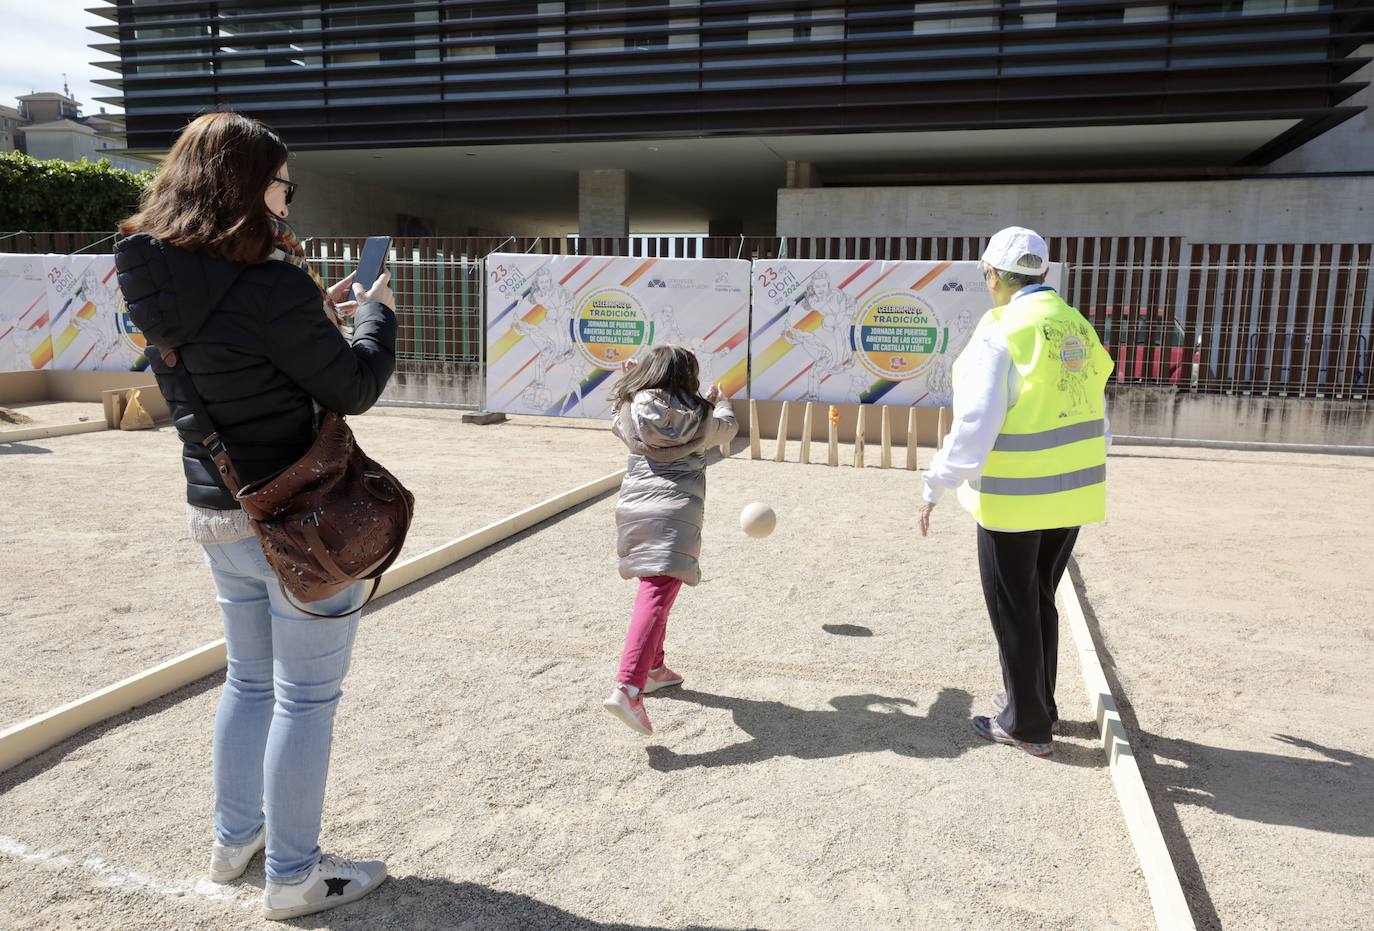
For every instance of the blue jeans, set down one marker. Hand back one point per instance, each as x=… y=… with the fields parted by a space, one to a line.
x=276 y=715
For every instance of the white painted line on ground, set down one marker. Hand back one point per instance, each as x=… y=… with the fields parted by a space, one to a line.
x=31 y=737
x=120 y=877
x=1161 y=877
x=60 y=429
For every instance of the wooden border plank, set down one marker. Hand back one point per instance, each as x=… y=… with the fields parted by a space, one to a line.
x=1156 y=865
x=29 y=738
x=60 y=429
x=441 y=557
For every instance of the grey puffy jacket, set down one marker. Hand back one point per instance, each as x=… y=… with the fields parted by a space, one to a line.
x=663 y=496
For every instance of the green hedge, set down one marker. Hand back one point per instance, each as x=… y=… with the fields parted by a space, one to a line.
x=53 y=195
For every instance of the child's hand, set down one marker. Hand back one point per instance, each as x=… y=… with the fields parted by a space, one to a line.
x=629 y=366
x=714 y=394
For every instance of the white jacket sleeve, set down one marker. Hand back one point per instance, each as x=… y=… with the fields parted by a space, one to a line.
x=980 y=408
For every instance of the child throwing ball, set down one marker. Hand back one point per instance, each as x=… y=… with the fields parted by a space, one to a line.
x=668 y=426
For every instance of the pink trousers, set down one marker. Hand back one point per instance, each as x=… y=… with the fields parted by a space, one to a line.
x=648 y=627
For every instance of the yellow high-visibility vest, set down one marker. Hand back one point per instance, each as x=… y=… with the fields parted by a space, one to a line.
x=1048 y=468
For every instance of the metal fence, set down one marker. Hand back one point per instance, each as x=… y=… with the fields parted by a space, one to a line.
x=1288 y=320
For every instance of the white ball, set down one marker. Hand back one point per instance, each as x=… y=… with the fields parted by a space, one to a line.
x=757 y=519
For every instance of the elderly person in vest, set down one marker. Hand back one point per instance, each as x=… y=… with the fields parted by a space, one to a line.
x=1027 y=452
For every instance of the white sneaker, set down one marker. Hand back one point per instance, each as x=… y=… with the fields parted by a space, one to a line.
x=228 y=863
x=332 y=881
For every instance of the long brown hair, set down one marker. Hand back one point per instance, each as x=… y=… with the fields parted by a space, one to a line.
x=670 y=368
x=208 y=195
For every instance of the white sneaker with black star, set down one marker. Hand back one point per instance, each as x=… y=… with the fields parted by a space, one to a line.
x=228 y=863
x=331 y=882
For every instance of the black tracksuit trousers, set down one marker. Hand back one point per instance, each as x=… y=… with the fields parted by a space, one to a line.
x=1020 y=573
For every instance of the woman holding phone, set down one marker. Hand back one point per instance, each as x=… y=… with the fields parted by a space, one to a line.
x=209 y=268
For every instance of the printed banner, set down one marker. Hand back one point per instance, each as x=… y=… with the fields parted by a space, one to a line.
x=25 y=344
x=846 y=332
x=561 y=327
x=65 y=312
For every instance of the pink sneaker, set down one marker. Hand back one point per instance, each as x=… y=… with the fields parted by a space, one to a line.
x=661 y=678
x=630 y=710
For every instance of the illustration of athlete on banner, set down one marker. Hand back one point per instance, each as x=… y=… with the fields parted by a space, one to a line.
x=65 y=312
x=559 y=328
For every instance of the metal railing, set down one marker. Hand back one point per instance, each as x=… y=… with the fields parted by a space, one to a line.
x=1285 y=320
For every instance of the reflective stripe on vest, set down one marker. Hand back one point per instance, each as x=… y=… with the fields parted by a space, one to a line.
x=1049 y=439
x=1041 y=485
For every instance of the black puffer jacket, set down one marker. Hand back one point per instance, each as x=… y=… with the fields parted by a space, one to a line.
x=259 y=348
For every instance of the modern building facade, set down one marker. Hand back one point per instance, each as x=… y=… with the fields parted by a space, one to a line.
x=608 y=115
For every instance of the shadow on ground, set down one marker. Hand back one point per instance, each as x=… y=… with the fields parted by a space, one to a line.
x=847 y=630
x=857 y=724
x=1334 y=794
x=10 y=448
x=440 y=903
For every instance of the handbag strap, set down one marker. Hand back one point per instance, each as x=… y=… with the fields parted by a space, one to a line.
x=210 y=437
x=220 y=455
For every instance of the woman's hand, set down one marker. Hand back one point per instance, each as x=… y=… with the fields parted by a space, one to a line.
x=379 y=292
x=339 y=291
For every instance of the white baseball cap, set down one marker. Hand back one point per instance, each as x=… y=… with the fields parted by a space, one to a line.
x=1017 y=249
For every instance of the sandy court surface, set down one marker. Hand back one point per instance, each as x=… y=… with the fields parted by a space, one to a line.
x=816 y=771
x=1236 y=597
x=100 y=581
x=49 y=413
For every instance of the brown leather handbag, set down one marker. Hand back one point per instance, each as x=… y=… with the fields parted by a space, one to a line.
x=332 y=519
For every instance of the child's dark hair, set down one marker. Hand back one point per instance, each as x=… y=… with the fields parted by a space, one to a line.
x=669 y=368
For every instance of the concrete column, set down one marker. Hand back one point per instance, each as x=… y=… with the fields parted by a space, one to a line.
x=803 y=174
x=603 y=202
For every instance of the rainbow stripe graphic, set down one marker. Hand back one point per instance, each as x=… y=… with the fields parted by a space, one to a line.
x=588 y=384
x=41 y=356
x=525 y=377
x=536 y=314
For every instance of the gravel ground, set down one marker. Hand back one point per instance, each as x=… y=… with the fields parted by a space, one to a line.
x=1234 y=593
x=816 y=771
x=99 y=580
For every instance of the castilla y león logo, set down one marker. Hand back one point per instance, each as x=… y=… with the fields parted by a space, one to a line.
x=1073 y=355
x=897 y=335
x=611 y=327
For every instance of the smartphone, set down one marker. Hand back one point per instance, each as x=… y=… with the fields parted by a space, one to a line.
x=372 y=261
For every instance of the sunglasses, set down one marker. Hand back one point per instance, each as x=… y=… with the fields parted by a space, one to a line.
x=290 y=188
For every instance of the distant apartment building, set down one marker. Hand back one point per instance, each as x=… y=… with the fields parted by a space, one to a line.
x=49 y=125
